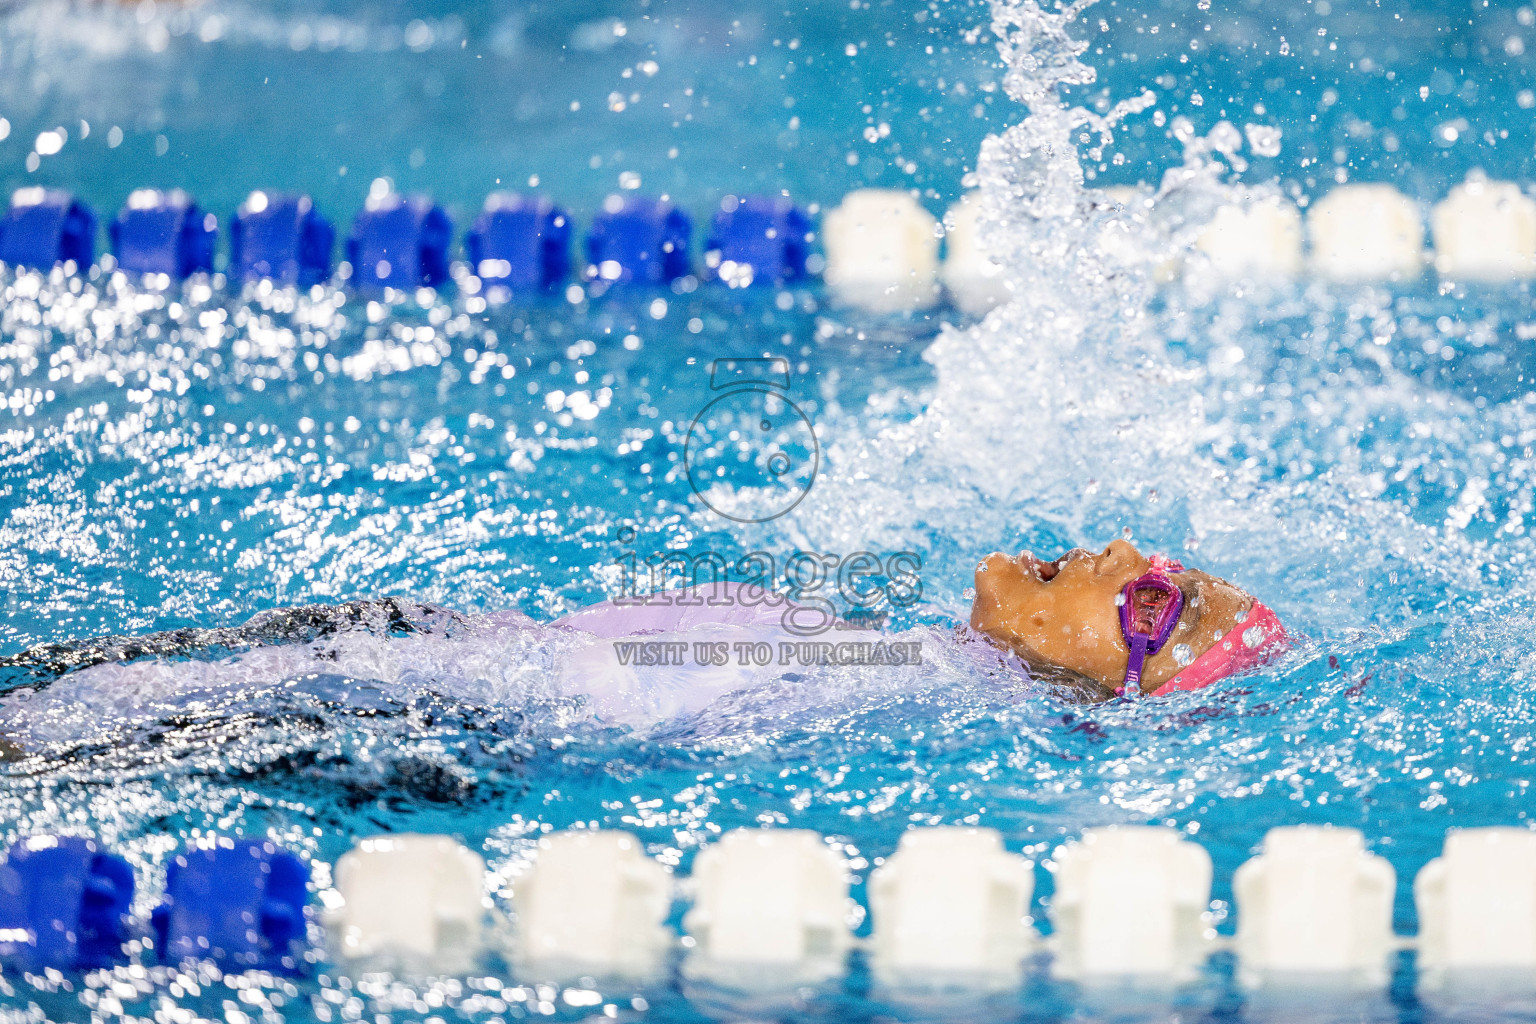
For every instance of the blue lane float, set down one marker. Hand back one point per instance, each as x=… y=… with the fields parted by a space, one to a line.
x=63 y=904
x=399 y=242
x=758 y=240
x=46 y=227
x=281 y=238
x=881 y=247
x=638 y=240
x=163 y=233
x=238 y=902
x=520 y=242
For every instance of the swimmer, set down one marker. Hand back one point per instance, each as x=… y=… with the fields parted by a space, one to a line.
x=622 y=663
x=1092 y=626
x=1120 y=623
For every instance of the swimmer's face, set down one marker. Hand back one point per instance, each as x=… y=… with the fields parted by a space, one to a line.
x=1064 y=613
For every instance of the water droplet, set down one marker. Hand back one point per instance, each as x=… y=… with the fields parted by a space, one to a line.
x=1253 y=636
x=1263 y=139
x=1183 y=654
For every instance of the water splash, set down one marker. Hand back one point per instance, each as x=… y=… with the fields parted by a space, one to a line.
x=1062 y=397
x=1036 y=213
x=1067 y=415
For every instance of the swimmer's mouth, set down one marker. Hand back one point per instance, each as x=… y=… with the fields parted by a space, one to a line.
x=1046 y=571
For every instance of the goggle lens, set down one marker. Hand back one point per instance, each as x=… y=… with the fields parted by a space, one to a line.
x=1150 y=607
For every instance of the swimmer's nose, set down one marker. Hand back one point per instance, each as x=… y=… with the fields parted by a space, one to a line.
x=1119 y=556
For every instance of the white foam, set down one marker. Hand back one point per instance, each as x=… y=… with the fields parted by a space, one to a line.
x=624 y=692
x=975 y=282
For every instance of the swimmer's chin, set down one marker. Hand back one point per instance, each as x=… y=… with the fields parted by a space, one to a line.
x=1070 y=686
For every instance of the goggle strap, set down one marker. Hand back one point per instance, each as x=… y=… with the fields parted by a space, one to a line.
x=1133 y=667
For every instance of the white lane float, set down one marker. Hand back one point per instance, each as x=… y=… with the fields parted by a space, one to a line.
x=951 y=904
x=419 y=898
x=1477 y=911
x=1132 y=903
x=771 y=911
x=973 y=279
x=882 y=251
x=592 y=903
x=1259 y=239
x=1485 y=231
x=770 y=908
x=1314 y=908
x=1365 y=233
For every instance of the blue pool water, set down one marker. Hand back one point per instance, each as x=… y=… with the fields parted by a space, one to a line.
x=209 y=466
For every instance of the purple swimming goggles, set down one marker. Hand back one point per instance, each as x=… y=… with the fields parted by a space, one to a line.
x=1150 y=606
